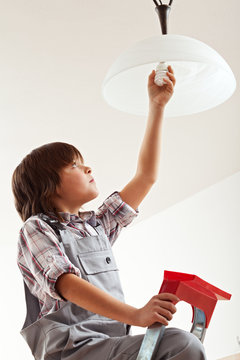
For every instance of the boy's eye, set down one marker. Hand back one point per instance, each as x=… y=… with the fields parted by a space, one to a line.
x=74 y=164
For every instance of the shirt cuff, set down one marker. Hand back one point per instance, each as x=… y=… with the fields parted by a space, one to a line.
x=51 y=274
x=122 y=212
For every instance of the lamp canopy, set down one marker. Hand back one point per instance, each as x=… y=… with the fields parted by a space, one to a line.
x=203 y=78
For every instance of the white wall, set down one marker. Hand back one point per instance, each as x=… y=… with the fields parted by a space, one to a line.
x=199 y=235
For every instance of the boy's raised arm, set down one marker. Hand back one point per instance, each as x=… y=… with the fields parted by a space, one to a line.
x=149 y=157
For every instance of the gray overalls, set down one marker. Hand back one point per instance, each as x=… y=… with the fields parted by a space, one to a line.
x=73 y=333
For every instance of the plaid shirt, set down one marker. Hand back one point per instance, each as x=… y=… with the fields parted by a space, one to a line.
x=41 y=259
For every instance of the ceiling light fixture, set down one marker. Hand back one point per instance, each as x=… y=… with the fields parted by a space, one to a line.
x=204 y=79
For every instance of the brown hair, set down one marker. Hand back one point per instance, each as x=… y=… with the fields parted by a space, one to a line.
x=35 y=179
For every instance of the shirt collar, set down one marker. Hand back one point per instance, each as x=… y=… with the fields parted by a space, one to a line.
x=84 y=216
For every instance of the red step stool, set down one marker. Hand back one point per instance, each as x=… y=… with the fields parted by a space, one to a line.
x=201 y=295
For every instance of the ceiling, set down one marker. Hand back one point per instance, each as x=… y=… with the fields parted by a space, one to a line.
x=54 y=57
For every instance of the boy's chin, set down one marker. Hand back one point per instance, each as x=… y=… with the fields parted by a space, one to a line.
x=96 y=192
x=94 y=195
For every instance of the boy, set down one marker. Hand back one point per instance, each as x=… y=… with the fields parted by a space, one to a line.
x=76 y=307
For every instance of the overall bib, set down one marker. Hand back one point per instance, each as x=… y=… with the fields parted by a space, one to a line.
x=61 y=334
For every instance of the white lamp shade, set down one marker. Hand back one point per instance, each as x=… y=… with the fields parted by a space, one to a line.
x=203 y=78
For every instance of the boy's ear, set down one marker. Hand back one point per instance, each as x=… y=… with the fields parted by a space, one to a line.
x=56 y=193
x=57 y=190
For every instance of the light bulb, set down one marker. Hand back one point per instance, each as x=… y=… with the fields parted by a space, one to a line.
x=161 y=71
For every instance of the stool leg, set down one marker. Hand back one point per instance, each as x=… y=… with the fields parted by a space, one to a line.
x=153 y=334
x=199 y=324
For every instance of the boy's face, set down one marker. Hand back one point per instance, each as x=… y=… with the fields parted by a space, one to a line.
x=77 y=187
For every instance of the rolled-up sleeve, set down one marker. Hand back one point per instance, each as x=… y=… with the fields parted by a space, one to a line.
x=42 y=258
x=114 y=214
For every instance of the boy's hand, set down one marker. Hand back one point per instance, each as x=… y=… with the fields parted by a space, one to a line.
x=160 y=95
x=159 y=309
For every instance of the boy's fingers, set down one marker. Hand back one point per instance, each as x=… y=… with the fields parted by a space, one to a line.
x=168 y=296
x=168 y=305
x=151 y=77
x=168 y=82
x=170 y=69
x=169 y=79
x=172 y=77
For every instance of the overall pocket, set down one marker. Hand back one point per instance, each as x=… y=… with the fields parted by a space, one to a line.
x=98 y=262
x=101 y=270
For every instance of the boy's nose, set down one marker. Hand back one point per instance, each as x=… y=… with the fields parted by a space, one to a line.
x=88 y=170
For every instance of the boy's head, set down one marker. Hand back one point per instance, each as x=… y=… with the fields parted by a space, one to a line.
x=36 y=178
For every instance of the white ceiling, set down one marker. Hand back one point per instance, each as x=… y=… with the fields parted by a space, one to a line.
x=54 y=57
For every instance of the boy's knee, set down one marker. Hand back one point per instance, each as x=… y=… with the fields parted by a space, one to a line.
x=192 y=347
x=178 y=344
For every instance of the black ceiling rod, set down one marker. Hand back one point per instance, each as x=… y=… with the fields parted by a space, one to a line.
x=163 y=12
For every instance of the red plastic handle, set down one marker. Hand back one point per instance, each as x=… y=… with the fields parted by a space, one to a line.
x=193 y=290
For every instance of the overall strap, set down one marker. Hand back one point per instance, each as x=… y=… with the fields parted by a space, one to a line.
x=65 y=236
x=54 y=223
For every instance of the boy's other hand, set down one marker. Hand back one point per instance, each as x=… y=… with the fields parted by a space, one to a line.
x=160 y=309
